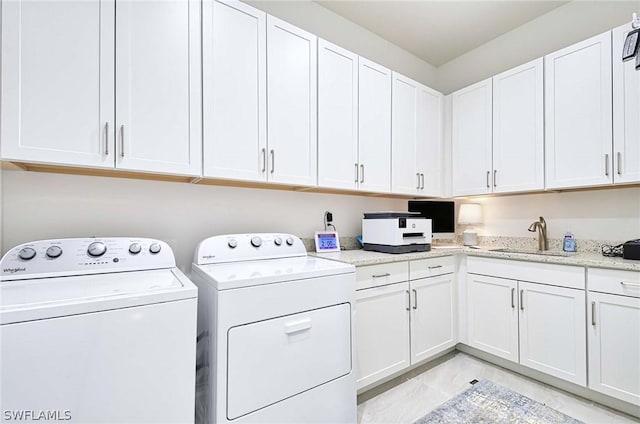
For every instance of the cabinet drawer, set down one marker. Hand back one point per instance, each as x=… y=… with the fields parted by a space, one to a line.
x=430 y=267
x=535 y=272
x=381 y=275
x=614 y=281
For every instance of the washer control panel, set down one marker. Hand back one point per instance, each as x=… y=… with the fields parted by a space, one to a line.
x=247 y=247
x=80 y=256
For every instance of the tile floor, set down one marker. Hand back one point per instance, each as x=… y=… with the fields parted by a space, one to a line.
x=421 y=393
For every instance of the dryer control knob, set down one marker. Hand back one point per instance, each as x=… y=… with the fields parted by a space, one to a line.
x=256 y=241
x=54 y=251
x=277 y=241
x=26 y=253
x=290 y=241
x=233 y=243
x=154 y=248
x=135 y=248
x=97 y=248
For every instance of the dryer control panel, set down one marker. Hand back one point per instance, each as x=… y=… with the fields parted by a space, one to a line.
x=248 y=247
x=82 y=256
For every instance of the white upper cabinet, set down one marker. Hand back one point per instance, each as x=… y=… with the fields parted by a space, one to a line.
x=337 y=117
x=416 y=130
x=578 y=114
x=158 y=89
x=471 y=139
x=291 y=104
x=57 y=82
x=626 y=113
x=374 y=127
x=234 y=91
x=518 y=129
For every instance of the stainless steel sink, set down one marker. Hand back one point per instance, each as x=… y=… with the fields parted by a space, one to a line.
x=533 y=252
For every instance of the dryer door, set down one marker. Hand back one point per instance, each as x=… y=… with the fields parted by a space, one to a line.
x=272 y=360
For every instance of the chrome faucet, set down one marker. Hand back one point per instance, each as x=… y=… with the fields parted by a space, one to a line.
x=541 y=226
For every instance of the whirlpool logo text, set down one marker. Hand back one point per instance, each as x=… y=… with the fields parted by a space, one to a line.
x=13 y=270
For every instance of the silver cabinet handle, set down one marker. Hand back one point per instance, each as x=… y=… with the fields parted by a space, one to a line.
x=106 y=139
x=435 y=267
x=606 y=164
x=513 y=300
x=418 y=176
x=415 y=299
x=629 y=284
x=386 y=274
x=619 y=157
x=273 y=160
x=495 y=183
x=422 y=185
x=522 y=300
x=409 y=304
x=361 y=173
x=593 y=313
x=122 y=140
x=488 y=172
x=356 y=165
x=264 y=159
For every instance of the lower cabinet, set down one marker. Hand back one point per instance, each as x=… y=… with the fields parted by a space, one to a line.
x=539 y=325
x=402 y=321
x=613 y=333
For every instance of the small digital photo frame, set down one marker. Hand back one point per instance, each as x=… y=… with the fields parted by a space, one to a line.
x=327 y=241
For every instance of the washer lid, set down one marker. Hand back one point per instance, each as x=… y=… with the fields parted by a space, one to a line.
x=233 y=275
x=42 y=298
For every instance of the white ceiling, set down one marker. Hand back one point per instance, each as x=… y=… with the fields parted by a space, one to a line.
x=438 y=31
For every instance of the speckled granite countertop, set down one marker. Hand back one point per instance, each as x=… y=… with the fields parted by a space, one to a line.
x=595 y=260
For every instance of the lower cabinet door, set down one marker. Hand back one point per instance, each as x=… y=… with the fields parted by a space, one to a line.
x=614 y=345
x=552 y=331
x=492 y=315
x=432 y=316
x=382 y=332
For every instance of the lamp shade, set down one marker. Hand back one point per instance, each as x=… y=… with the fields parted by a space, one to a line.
x=470 y=213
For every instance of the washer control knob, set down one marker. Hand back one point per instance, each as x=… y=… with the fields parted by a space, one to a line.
x=233 y=243
x=96 y=249
x=256 y=241
x=154 y=248
x=290 y=241
x=135 y=248
x=26 y=253
x=277 y=241
x=54 y=251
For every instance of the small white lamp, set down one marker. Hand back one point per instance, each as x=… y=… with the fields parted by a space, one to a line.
x=470 y=214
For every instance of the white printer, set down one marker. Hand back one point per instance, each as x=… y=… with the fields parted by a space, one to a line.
x=396 y=232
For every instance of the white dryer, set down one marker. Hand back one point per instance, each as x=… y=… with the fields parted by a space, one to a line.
x=275 y=332
x=96 y=331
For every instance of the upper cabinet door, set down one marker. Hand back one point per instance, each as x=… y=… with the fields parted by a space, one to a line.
x=291 y=104
x=518 y=129
x=429 y=122
x=626 y=113
x=405 y=176
x=57 y=82
x=374 y=133
x=337 y=117
x=471 y=135
x=158 y=86
x=235 y=93
x=578 y=114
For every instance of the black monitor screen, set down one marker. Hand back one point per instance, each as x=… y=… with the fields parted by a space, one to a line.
x=442 y=214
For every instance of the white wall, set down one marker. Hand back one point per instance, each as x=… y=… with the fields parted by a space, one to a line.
x=326 y=24
x=563 y=26
x=611 y=214
x=40 y=206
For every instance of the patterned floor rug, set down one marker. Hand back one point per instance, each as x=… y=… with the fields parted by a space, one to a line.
x=487 y=403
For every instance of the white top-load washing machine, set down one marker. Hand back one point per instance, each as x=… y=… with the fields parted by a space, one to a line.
x=275 y=332
x=96 y=331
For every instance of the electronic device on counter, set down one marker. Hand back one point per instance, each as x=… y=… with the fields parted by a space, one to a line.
x=327 y=241
x=441 y=214
x=631 y=250
x=396 y=232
